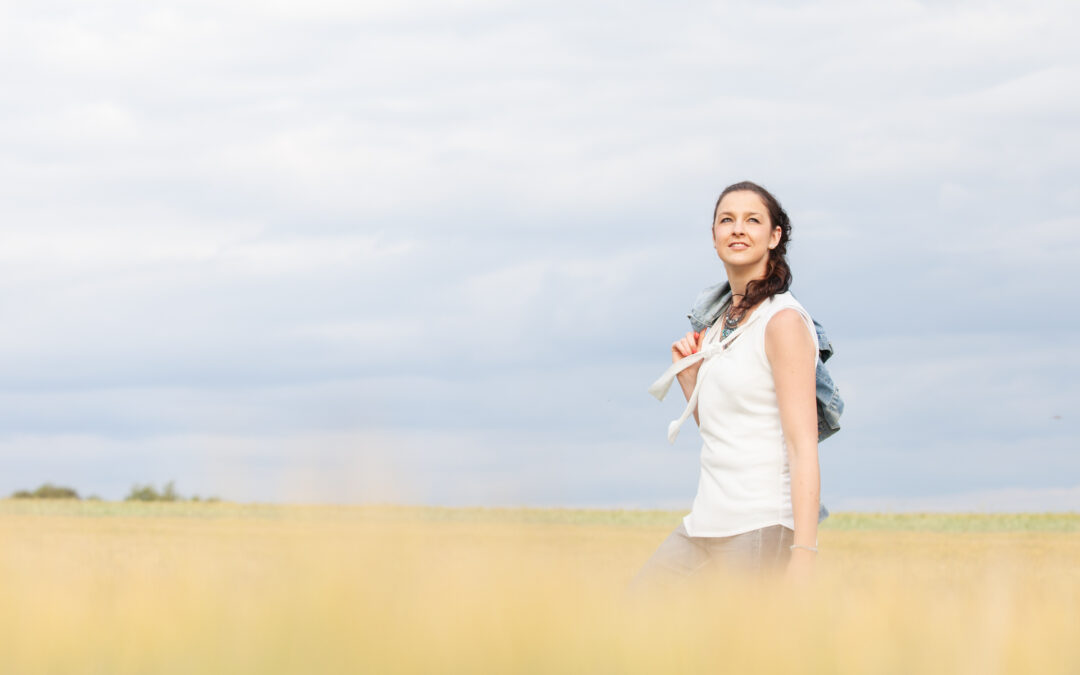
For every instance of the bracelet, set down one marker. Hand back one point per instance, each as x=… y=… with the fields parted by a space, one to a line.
x=808 y=548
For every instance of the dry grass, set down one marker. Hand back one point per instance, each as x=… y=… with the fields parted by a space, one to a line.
x=221 y=588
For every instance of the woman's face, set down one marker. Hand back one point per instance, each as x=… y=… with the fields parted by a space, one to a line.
x=742 y=232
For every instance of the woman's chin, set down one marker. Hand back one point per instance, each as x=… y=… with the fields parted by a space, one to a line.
x=739 y=259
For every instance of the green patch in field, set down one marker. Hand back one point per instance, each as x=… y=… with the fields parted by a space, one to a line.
x=955 y=522
x=919 y=522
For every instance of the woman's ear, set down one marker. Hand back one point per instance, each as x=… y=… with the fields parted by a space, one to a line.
x=774 y=237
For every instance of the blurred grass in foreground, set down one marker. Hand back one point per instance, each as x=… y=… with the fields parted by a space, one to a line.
x=109 y=587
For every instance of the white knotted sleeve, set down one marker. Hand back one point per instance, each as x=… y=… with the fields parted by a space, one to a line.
x=660 y=387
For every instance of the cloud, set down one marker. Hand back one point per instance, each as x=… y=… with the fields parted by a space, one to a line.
x=487 y=221
x=353 y=467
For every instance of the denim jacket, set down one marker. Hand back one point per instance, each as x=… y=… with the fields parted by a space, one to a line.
x=830 y=406
x=704 y=312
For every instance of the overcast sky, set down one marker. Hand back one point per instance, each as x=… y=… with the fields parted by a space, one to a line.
x=435 y=252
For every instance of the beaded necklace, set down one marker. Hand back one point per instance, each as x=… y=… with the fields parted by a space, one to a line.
x=730 y=323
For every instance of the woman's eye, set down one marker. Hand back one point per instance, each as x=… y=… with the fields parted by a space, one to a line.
x=755 y=220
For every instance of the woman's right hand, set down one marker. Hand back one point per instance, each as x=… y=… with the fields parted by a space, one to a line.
x=687 y=345
x=680 y=349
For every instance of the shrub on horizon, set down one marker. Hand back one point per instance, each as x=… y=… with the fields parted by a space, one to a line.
x=147 y=493
x=47 y=491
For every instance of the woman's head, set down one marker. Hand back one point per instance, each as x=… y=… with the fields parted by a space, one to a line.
x=750 y=228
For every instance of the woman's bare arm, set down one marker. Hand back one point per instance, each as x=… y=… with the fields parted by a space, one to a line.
x=683 y=347
x=792 y=352
x=687 y=383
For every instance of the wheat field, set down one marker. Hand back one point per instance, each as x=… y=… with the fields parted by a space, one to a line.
x=116 y=587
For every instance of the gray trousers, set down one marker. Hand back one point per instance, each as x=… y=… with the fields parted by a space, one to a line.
x=681 y=557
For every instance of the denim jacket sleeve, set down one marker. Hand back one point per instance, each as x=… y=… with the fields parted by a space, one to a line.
x=704 y=312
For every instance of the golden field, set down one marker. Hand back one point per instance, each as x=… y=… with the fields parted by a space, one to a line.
x=108 y=587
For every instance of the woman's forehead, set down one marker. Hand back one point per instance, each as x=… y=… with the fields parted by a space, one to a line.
x=742 y=202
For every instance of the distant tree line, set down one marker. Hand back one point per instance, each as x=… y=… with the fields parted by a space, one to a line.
x=139 y=493
x=147 y=493
x=50 y=491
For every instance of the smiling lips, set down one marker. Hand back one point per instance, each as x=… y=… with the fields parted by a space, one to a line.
x=739 y=245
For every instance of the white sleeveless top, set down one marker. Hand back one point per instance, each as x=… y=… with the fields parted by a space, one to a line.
x=745 y=480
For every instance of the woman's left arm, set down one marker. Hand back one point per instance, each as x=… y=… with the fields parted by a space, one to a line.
x=792 y=353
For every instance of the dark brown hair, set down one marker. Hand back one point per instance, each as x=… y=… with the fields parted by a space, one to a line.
x=777 y=273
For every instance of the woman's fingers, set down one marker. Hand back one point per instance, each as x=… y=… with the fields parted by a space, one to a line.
x=681 y=347
x=689 y=344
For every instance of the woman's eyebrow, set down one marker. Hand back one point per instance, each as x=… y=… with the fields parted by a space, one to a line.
x=729 y=213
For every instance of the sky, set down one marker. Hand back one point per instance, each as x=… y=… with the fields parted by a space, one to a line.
x=435 y=252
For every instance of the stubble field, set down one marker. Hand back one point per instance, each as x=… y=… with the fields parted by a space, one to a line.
x=107 y=587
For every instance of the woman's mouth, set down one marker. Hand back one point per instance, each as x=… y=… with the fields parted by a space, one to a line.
x=739 y=245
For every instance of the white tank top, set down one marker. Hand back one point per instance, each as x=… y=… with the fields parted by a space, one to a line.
x=745 y=480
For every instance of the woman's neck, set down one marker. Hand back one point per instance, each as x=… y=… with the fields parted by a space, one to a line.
x=738 y=279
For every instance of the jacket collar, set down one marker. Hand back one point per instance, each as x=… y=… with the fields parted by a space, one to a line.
x=709 y=303
x=707 y=306
x=711 y=300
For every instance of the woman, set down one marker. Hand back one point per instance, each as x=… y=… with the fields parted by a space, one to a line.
x=749 y=380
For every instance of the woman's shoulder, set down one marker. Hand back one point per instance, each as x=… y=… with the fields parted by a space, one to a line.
x=785 y=300
x=791 y=319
